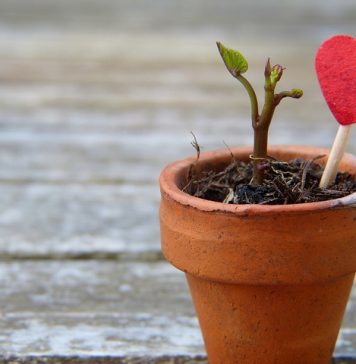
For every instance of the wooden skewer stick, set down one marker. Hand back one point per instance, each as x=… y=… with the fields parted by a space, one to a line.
x=336 y=153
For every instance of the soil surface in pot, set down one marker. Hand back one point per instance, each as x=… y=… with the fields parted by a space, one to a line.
x=291 y=182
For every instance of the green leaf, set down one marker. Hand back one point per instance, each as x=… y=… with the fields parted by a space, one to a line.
x=234 y=61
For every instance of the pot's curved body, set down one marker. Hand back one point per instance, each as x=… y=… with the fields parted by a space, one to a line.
x=269 y=283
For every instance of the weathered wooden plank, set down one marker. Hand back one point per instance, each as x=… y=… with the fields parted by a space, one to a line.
x=95 y=98
x=172 y=74
x=101 y=308
x=292 y=20
x=72 y=221
x=67 y=116
x=96 y=308
x=93 y=286
x=83 y=107
x=138 y=335
x=127 y=360
x=180 y=359
x=100 y=285
x=107 y=159
x=100 y=334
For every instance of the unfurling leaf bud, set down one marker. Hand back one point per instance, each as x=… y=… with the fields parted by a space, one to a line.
x=234 y=61
x=268 y=68
x=296 y=93
x=276 y=73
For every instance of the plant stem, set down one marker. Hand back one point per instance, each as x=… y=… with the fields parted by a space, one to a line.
x=253 y=98
x=259 y=154
x=260 y=125
x=261 y=128
x=236 y=64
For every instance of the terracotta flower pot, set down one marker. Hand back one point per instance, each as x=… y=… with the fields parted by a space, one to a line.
x=269 y=283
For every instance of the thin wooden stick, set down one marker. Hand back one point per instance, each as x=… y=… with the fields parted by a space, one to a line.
x=336 y=153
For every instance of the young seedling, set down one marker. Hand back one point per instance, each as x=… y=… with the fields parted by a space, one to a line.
x=236 y=64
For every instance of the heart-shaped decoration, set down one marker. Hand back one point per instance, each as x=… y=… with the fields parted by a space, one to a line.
x=335 y=65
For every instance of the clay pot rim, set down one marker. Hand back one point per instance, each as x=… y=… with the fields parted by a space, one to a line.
x=169 y=175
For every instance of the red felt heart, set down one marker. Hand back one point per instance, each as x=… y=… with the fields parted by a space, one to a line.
x=335 y=65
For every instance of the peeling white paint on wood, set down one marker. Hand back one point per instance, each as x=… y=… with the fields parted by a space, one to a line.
x=74 y=220
x=98 y=307
x=98 y=334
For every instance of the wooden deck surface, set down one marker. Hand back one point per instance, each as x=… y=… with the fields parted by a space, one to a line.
x=95 y=98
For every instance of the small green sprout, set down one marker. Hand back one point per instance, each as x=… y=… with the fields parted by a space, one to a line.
x=236 y=64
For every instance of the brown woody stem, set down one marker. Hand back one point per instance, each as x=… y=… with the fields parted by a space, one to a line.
x=259 y=154
x=261 y=128
x=262 y=123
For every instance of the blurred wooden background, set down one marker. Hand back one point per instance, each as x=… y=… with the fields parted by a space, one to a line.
x=95 y=98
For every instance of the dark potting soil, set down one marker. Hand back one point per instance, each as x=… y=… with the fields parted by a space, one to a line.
x=285 y=183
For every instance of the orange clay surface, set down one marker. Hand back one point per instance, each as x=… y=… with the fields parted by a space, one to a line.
x=269 y=283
